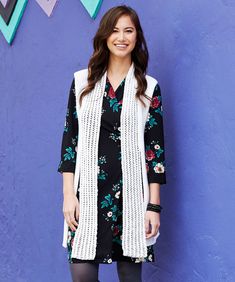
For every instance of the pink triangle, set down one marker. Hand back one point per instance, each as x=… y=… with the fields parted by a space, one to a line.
x=4 y=2
x=47 y=5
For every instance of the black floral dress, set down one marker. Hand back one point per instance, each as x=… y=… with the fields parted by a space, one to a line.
x=109 y=238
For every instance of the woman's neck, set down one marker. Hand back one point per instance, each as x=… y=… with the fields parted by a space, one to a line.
x=118 y=66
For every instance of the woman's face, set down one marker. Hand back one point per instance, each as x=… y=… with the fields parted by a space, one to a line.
x=123 y=39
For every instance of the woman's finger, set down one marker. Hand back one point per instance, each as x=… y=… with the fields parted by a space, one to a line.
x=77 y=211
x=153 y=232
x=74 y=222
x=147 y=225
x=72 y=219
x=69 y=220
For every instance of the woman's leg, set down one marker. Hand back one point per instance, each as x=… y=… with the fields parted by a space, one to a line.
x=129 y=271
x=84 y=272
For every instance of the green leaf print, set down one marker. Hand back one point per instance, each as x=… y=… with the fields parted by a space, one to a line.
x=147 y=147
x=69 y=155
x=109 y=199
x=152 y=121
x=104 y=204
x=114 y=208
x=102 y=175
x=75 y=113
x=158 y=110
x=159 y=152
x=115 y=107
x=112 y=101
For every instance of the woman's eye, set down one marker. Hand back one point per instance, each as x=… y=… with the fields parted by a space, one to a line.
x=114 y=30
x=129 y=30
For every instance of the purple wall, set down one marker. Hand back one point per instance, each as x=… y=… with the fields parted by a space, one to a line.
x=191 y=45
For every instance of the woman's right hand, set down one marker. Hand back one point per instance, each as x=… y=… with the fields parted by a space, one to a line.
x=71 y=210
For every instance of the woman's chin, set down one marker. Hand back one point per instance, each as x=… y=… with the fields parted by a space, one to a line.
x=120 y=54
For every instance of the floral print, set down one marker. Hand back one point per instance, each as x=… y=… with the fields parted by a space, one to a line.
x=154 y=140
x=109 y=236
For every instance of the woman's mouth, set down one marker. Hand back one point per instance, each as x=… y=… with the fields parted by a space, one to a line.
x=121 y=46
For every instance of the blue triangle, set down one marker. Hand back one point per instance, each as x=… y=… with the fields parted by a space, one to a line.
x=92 y=7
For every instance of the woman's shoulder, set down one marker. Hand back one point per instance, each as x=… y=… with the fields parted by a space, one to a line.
x=83 y=73
x=151 y=79
x=80 y=78
x=151 y=85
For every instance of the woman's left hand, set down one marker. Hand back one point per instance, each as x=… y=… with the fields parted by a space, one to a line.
x=152 y=223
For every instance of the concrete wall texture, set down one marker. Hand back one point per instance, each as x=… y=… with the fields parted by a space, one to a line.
x=191 y=45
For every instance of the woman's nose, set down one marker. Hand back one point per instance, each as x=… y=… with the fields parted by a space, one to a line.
x=121 y=36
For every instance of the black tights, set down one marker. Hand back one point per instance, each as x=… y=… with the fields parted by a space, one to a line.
x=88 y=272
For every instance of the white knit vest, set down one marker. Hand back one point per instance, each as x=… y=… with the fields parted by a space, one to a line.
x=135 y=189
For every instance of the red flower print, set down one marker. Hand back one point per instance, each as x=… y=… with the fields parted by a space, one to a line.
x=147 y=167
x=115 y=231
x=111 y=93
x=149 y=155
x=120 y=102
x=72 y=242
x=155 y=102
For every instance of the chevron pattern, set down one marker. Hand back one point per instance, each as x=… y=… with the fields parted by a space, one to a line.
x=7 y=10
x=10 y=17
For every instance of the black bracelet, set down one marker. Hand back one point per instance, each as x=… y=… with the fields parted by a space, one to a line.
x=154 y=207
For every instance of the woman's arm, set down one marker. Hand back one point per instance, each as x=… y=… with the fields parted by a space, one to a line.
x=68 y=161
x=154 y=141
x=154 y=192
x=70 y=204
x=68 y=183
x=70 y=135
x=155 y=160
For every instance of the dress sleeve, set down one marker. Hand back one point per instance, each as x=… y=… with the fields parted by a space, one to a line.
x=70 y=135
x=154 y=140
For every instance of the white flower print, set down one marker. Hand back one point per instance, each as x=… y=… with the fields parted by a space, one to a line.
x=76 y=148
x=69 y=236
x=137 y=260
x=102 y=160
x=159 y=168
x=150 y=257
x=109 y=214
x=114 y=137
x=117 y=194
x=157 y=147
x=110 y=260
x=148 y=117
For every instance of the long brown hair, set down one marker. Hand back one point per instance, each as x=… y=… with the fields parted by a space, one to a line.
x=98 y=63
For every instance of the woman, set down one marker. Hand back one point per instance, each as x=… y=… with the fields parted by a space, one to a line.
x=112 y=155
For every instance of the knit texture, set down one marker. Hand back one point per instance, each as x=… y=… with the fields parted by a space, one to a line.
x=133 y=237
x=89 y=127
